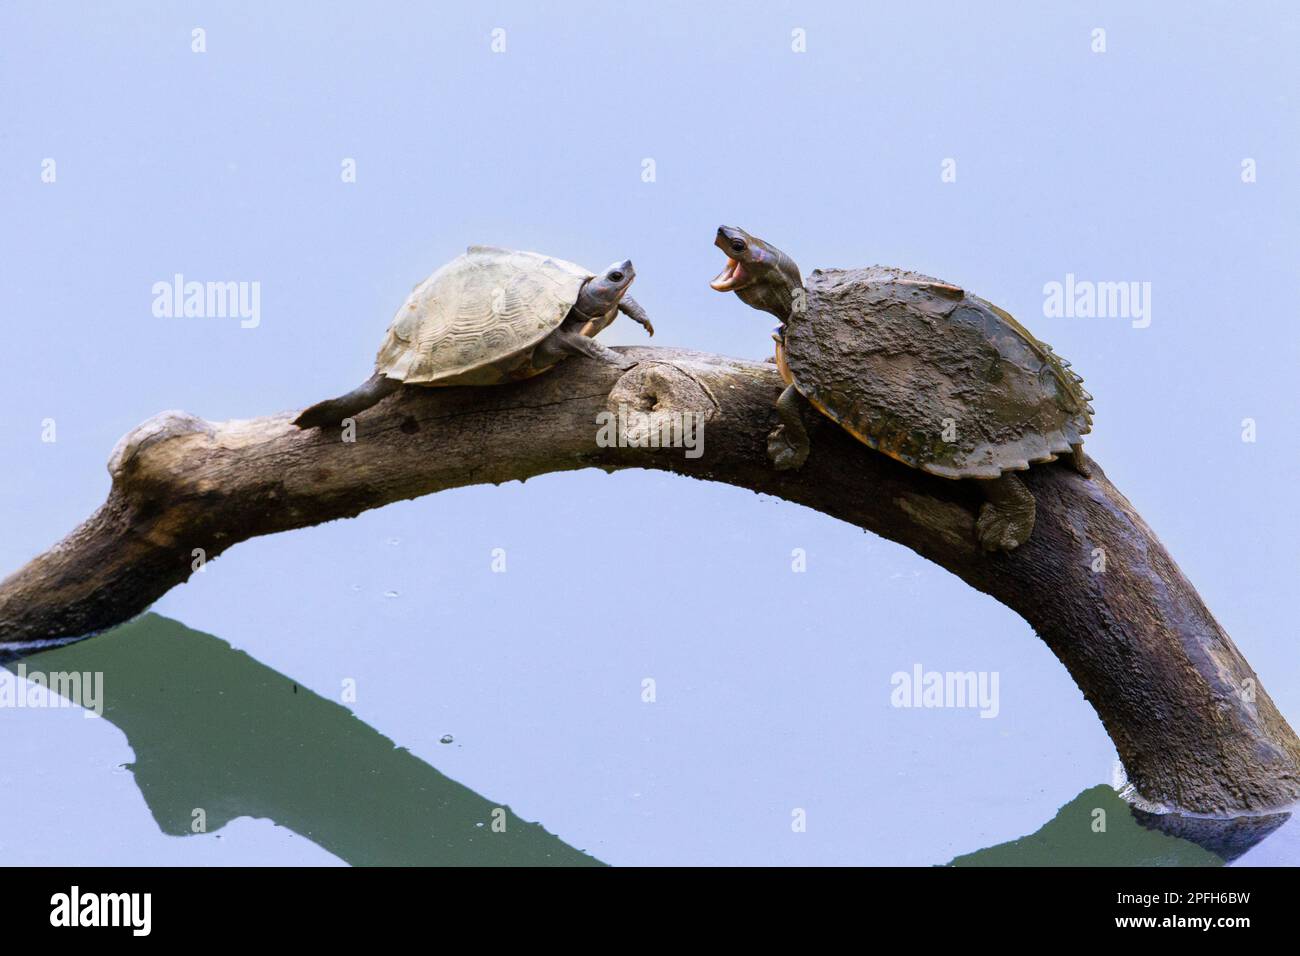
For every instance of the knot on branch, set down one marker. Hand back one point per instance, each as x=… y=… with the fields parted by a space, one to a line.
x=659 y=389
x=660 y=405
x=125 y=459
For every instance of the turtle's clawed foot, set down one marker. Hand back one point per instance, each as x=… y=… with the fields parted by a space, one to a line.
x=1007 y=518
x=1001 y=529
x=1078 y=462
x=787 y=444
x=629 y=307
x=786 y=455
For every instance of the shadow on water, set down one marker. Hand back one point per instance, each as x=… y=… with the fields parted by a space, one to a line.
x=214 y=729
x=1131 y=837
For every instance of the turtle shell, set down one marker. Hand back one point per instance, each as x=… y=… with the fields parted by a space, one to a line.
x=930 y=375
x=477 y=319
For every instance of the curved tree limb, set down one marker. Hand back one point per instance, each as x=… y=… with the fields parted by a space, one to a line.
x=1195 y=730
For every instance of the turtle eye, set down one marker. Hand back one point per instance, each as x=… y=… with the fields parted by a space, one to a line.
x=737 y=245
x=616 y=277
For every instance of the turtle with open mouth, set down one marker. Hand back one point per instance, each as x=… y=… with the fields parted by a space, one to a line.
x=918 y=369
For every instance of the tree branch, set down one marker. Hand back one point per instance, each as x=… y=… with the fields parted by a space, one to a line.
x=1194 y=728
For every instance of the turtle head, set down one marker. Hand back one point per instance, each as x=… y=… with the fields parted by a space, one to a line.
x=602 y=292
x=761 y=274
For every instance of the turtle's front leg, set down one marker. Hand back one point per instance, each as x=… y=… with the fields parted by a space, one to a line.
x=632 y=309
x=787 y=445
x=564 y=342
x=1007 y=518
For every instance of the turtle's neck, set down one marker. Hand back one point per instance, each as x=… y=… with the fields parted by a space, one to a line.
x=590 y=308
x=774 y=297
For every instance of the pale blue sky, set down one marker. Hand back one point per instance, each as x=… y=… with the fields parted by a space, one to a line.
x=774 y=687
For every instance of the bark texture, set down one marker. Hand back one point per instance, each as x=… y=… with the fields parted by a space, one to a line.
x=1195 y=729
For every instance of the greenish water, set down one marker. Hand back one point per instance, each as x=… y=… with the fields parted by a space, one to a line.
x=216 y=731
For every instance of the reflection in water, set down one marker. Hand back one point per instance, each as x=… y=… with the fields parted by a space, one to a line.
x=214 y=729
x=1131 y=837
x=1228 y=838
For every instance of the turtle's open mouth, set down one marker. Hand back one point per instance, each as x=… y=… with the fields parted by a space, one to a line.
x=732 y=277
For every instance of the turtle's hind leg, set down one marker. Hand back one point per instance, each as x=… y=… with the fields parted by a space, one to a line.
x=787 y=445
x=334 y=410
x=1078 y=462
x=1007 y=518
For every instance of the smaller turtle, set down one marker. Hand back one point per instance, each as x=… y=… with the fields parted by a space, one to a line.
x=918 y=369
x=488 y=317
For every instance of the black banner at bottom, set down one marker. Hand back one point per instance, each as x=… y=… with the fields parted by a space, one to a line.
x=333 y=905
